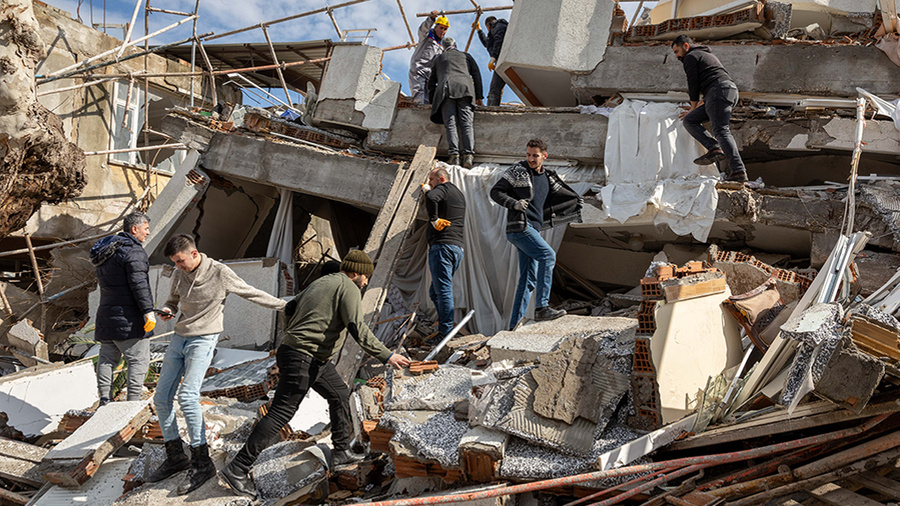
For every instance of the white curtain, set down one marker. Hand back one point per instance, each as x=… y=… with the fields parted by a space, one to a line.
x=281 y=240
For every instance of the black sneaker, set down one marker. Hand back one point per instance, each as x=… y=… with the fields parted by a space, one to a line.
x=342 y=457
x=543 y=314
x=239 y=481
x=711 y=157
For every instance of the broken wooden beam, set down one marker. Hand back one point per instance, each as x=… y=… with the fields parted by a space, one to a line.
x=79 y=456
x=384 y=245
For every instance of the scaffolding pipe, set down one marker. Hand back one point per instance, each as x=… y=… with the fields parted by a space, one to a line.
x=408 y=45
x=126 y=45
x=466 y=11
x=76 y=87
x=212 y=77
x=129 y=57
x=650 y=485
x=215 y=73
x=167 y=11
x=412 y=39
x=178 y=146
x=137 y=8
x=51 y=246
x=289 y=18
x=193 y=50
x=450 y=335
x=669 y=465
x=278 y=70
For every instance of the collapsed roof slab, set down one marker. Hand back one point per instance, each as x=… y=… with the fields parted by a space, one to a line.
x=759 y=68
x=355 y=180
x=569 y=134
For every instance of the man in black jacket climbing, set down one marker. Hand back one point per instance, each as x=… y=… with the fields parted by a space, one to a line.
x=493 y=42
x=706 y=75
x=125 y=317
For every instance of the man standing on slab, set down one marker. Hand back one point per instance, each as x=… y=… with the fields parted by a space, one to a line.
x=706 y=75
x=446 y=208
x=536 y=199
x=312 y=337
x=454 y=88
x=199 y=286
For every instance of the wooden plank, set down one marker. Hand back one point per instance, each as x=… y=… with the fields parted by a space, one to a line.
x=833 y=494
x=874 y=338
x=880 y=484
x=385 y=243
x=781 y=423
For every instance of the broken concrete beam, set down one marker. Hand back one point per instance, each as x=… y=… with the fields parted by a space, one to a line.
x=850 y=378
x=245 y=382
x=438 y=391
x=80 y=455
x=875 y=338
x=481 y=450
x=104 y=488
x=190 y=183
x=24 y=337
x=760 y=68
x=521 y=346
x=354 y=93
x=744 y=273
x=814 y=325
x=292 y=166
x=581 y=325
x=570 y=134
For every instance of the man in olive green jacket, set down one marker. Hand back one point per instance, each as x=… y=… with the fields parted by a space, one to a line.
x=313 y=336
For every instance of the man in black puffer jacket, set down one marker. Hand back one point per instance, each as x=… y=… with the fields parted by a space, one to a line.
x=493 y=42
x=125 y=317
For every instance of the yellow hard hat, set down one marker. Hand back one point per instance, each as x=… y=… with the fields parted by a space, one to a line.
x=442 y=20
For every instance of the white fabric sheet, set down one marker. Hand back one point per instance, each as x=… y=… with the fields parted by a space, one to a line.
x=281 y=240
x=649 y=161
x=488 y=275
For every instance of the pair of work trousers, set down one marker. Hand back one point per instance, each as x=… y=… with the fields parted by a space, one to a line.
x=536 y=262
x=443 y=261
x=298 y=372
x=186 y=362
x=137 y=358
x=718 y=102
x=459 y=112
x=495 y=92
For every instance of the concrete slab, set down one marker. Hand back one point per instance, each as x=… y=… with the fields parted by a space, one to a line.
x=354 y=93
x=546 y=41
x=759 y=68
x=814 y=325
x=565 y=387
x=434 y=435
x=296 y=167
x=35 y=400
x=484 y=440
x=600 y=326
x=19 y=462
x=521 y=346
x=248 y=374
x=291 y=466
x=189 y=183
x=694 y=339
x=104 y=424
x=436 y=391
x=850 y=378
x=105 y=487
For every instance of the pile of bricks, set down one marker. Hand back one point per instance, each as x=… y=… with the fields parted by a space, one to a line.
x=672 y=28
x=408 y=467
x=780 y=274
x=262 y=124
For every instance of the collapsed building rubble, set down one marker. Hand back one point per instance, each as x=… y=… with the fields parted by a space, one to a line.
x=739 y=343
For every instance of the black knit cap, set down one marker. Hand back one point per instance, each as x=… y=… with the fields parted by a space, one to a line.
x=359 y=262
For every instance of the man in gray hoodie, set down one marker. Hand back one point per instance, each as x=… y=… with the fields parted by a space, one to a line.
x=199 y=286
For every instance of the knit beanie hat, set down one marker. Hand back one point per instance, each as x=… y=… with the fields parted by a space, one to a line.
x=359 y=262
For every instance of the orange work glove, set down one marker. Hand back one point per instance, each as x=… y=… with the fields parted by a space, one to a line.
x=440 y=224
x=149 y=321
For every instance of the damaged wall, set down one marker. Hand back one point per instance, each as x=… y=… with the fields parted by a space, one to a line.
x=37 y=163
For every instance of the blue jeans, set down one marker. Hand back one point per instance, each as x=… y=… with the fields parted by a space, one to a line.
x=443 y=260
x=718 y=102
x=536 y=262
x=185 y=363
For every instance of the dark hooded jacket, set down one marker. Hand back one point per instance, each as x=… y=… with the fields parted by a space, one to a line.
x=454 y=75
x=562 y=206
x=122 y=273
x=703 y=70
x=493 y=41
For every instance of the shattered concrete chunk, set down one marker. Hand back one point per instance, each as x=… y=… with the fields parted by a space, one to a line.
x=850 y=377
x=436 y=391
x=434 y=435
x=815 y=325
x=24 y=337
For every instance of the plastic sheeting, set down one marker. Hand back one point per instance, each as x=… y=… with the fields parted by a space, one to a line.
x=489 y=273
x=649 y=161
x=883 y=107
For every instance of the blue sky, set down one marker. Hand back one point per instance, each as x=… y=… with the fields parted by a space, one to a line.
x=224 y=15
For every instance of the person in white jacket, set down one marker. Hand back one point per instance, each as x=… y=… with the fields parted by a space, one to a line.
x=428 y=48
